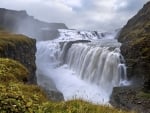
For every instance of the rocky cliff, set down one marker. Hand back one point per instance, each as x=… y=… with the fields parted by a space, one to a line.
x=23 y=49
x=135 y=38
x=20 y=48
x=20 y=22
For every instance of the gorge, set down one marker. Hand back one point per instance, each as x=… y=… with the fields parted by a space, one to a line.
x=102 y=68
x=82 y=69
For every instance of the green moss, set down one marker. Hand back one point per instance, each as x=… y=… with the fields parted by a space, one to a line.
x=77 y=106
x=17 y=97
x=143 y=95
x=11 y=70
x=8 y=40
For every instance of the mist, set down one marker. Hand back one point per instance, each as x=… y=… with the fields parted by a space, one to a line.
x=20 y=22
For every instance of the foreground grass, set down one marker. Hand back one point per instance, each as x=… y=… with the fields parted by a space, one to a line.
x=18 y=97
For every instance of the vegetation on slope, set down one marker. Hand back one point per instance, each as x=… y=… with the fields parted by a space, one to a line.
x=18 y=97
x=20 y=48
x=135 y=38
x=12 y=40
x=12 y=71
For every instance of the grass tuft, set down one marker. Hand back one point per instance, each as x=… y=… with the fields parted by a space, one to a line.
x=11 y=70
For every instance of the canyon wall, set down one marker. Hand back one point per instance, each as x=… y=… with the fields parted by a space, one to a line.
x=20 y=48
x=135 y=38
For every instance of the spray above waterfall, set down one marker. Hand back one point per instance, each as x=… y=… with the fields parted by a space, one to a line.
x=82 y=66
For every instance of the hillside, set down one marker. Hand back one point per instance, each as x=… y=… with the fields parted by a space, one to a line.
x=135 y=37
x=20 y=48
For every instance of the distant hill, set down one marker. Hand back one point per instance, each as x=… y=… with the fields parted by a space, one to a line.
x=20 y=22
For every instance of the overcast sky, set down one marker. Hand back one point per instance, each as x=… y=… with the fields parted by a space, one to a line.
x=102 y=15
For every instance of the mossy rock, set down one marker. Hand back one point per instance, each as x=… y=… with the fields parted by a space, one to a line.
x=20 y=48
x=11 y=70
x=16 y=95
x=135 y=39
x=20 y=98
x=11 y=39
x=143 y=95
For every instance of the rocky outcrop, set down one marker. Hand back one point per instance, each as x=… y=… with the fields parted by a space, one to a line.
x=135 y=38
x=131 y=98
x=20 y=22
x=20 y=48
x=23 y=49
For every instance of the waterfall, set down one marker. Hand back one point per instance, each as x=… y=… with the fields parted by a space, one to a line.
x=98 y=65
x=82 y=68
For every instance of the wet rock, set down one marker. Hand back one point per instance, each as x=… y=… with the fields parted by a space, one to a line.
x=49 y=87
x=54 y=95
x=131 y=98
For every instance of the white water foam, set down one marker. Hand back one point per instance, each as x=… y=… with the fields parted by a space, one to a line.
x=69 y=34
x=66 y=80
x=90 y=72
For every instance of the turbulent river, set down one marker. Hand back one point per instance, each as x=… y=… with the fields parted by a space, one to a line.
x=82 y=65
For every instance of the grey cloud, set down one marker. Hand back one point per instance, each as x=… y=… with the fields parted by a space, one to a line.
x=132 y=5
x=99 y=15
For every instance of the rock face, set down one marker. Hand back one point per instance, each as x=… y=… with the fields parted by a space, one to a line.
x=131 y=98
x=20 y=22
x=23 y=49
x=135 y=39
x=20 y=48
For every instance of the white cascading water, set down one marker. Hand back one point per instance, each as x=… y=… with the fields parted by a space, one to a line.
x=88 y=71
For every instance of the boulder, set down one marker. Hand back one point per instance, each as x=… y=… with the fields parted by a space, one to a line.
x=131 y=98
